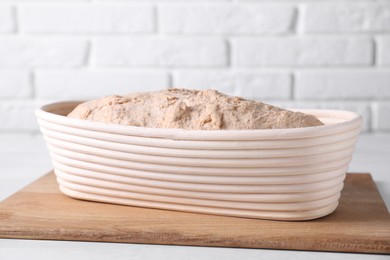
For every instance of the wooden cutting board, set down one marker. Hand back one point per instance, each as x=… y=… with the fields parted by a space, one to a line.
x=361 y=223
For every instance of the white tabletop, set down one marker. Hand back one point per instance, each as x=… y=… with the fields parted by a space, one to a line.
x=24 y=158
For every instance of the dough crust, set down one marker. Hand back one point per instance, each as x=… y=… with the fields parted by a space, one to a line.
x=190 y=109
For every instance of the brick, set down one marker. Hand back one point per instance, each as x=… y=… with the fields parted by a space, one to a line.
x=18 y=116
x=27 y=52
x=88 y=84
x=153 y=51
x=15 y=84
x=381 y=116
x=343 y=85
x=171 y=1
x=232 y=19
x=360 y=107
x=164 y=1
x=347 y=17
x=252 y=85
x=86 y=18
x=303 y=51
x=383 y=50
x=7 y=19
x=34 y=1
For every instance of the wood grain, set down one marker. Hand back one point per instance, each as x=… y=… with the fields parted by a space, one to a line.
x=361 y=223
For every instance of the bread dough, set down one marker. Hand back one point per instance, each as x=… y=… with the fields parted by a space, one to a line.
x=190 y=109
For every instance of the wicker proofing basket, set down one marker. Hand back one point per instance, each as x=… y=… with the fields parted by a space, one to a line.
x=279 y=174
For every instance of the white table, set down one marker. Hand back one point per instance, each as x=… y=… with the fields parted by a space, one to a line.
x=24 y=158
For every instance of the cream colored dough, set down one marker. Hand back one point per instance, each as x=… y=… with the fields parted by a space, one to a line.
x=190 y=109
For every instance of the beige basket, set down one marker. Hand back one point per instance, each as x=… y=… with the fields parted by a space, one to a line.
x=280 y=174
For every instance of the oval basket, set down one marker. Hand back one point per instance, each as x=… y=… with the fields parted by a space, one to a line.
x=278 y=174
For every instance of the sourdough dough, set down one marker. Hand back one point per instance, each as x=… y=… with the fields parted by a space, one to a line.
x=190 y=109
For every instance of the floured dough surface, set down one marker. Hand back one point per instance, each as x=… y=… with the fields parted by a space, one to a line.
x=190 y=109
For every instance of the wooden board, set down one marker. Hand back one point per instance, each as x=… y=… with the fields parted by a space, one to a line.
x=360 y=224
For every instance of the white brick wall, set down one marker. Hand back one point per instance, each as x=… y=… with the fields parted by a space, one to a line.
x=86 y=18
x=343 y=85
x=248 y=84
x=345 y=17
x=384 y=50
x=27 y=52
x=232 y=19
x=292 y=53
x=302 y=51
x=160 y=52
x=382 y=118
x=87 y=84
x=7 y=21
x=15 y=84
x=18 y=116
